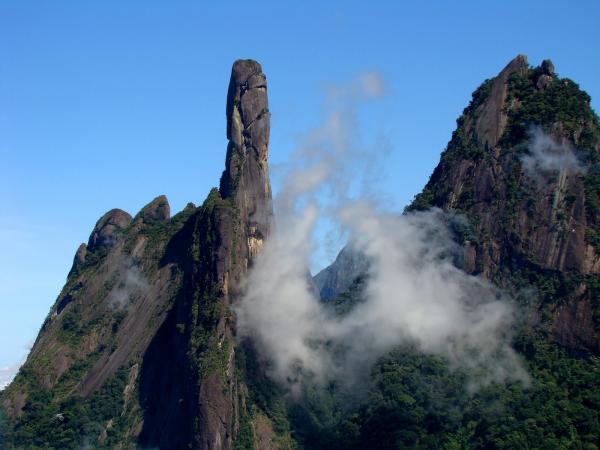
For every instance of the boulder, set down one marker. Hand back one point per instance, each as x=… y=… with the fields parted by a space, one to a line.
x=106 y=231
x=157 y=210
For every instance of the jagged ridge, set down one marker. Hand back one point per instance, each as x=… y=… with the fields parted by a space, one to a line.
x=139 y=347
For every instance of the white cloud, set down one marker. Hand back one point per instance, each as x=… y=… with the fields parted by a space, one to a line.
x=367 y=85
x=131 y=283
x=546 y=154
x=7 y=374
x=414 y=294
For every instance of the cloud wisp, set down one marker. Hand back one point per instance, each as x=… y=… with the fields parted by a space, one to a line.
x=413 y=294
x=547 y=155
x=132 y=283
x=7 y=374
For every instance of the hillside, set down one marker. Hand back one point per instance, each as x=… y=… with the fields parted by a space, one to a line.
x=141 y=349
x=522 y=167
x=138 y=348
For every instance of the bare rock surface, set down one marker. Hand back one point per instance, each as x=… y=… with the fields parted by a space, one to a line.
x=105 y=232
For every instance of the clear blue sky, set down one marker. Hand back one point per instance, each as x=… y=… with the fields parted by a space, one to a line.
x=108 y=104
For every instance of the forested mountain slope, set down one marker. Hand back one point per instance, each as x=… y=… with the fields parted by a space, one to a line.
x=522 y=169
x=140 y=349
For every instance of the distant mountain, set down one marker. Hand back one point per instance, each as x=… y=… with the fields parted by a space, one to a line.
x=337 y=278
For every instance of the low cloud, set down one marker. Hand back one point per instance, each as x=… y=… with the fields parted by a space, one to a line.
x=547 y=155
x=367 y=85
x=131 y=284
x=7 y=374
x=414 y=294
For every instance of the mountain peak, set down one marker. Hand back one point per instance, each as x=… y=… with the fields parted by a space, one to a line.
x=517 y=64
x=491 y=118
x=106 y=228
x=522 y=167
x=157 y=210
x=246 y=175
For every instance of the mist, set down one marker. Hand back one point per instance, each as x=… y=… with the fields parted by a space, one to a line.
x=547 y=155
x=131 y=284
x=413 y=294
x=7 y=374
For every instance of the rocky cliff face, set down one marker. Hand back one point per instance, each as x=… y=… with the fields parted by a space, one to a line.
x=226 y=238
x=337 y=278
x=520 y=179
x=140 y=348
x=523 y=167
x=246 y=178
x=99 y=328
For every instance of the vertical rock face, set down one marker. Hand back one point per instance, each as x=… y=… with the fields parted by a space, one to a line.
x=84 y=363
x=339 y=276
x=523 y=166
x=213 y=252
x=139 y=348
x=246 y=175
x=79 y=258
x=107 y=227
x=232 y=229
x=157 y=210
x=490 y=115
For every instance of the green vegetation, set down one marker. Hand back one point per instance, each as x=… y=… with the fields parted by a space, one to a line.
x=207 y=353
x=408 y=399
x=263 y=396
x=462 y=146
x=345 y=302
x=560 y=102
x=197 y=253
x=591 y=181
x=413 y=400
x=49 y=422
x=92 y=260
x=158 y=234
x=58 y=417
x=245 y=438
x=422 y=201
x=416 y=401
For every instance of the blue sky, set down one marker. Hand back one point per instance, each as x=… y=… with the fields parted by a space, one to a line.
x=108 y=104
